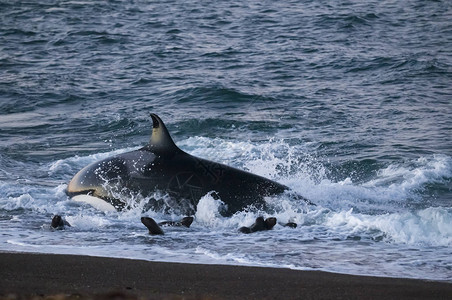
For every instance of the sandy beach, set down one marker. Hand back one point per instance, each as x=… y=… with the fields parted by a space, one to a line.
x=47 y=276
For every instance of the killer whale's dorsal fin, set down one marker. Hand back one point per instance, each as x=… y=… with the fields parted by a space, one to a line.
x=160 y=140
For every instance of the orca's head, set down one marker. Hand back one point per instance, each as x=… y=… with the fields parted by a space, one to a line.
x=99 y=179
x=109 y=178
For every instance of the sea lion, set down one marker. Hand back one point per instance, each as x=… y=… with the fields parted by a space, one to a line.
x=59 y=223
x=259 y=225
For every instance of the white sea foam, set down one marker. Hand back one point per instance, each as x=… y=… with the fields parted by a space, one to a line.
x=393 y=185
x=208 y=211
x=88 y=222
x=430 y=226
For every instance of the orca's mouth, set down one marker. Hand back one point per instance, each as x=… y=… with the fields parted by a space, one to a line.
x=85 y=192
x=117 y=204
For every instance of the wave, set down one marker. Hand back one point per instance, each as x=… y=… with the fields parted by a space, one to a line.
x=385 y=187
x=219 y=95
x=428 y=227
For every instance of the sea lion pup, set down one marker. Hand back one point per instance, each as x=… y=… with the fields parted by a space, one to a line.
x=259 y=225
x=58 y=222
x=155 y=229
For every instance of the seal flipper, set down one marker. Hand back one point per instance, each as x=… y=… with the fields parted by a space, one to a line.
x=150 y=224
x=290 y=224
x=186 y=221
x=245 y=229
x=160 y=142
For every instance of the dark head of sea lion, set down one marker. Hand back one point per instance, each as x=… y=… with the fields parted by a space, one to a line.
x=58 y=222
x=269 y=223
x=259 y=225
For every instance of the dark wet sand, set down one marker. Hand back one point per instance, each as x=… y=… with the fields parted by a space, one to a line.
x=24 y=276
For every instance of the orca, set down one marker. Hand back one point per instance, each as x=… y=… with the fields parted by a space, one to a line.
x=181 y=179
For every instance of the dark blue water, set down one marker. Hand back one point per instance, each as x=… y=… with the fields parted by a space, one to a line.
x=349 y=103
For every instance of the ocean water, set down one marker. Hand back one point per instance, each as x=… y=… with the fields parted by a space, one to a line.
x=349 y=103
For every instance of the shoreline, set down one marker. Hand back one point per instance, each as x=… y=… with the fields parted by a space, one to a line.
x=40 y=276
